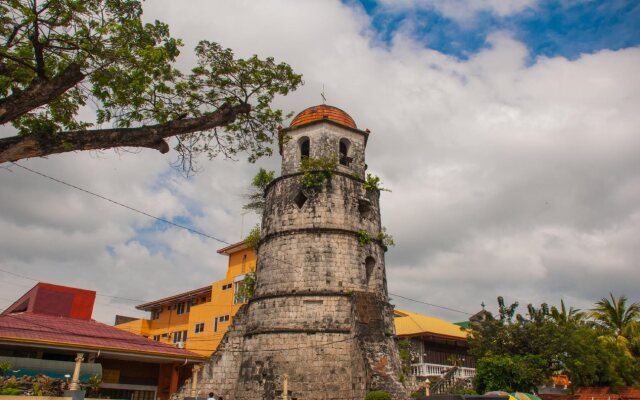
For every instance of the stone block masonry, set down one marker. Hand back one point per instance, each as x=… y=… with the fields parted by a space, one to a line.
x=320 y=317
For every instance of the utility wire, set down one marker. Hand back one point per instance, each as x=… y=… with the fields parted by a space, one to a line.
x=431 y=304
x=192 y=231
x=392 y=294
x=121 y=204
x=97 y=294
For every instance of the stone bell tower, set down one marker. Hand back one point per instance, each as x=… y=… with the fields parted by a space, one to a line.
x=319 y=325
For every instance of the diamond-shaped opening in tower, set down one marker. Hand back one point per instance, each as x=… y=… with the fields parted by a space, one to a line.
x=300 y=199
x=364 y=207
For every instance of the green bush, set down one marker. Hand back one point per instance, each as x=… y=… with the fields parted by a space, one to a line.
x=510 y=373
x=363 y=237
x=10 y=392
x=4 y=367
x=253 y=239
x=404 y=347
x=316 y=170
x=385 y=238
x=246 y=287
x=378 y=395
x=373 y=183
x=258 y=185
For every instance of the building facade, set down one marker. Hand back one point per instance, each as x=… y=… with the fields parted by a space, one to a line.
x=436 y=345
x=49 y=331
x=198 y=319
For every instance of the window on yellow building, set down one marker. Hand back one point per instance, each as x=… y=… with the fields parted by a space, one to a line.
x=156 y=338
x=155 y=314
x=199 y=327
x=180 y=336
x=223 y=318
x=227 y=286
x=180 y=308
x=238 y=296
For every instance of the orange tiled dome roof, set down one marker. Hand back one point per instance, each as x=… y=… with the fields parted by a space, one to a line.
x=323 y=111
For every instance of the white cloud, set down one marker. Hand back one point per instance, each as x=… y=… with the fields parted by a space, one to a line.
x=508 y=178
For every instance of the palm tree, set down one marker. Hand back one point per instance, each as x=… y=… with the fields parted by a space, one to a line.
x=564 y=316
x=615 y=315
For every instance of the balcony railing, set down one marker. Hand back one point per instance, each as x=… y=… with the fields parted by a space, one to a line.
x=426 y=369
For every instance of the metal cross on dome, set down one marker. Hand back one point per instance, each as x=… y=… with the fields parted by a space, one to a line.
x=322 y=94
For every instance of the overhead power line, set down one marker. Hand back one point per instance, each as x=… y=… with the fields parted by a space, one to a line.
x=393 y=294
x=97 y=294
x=190 y=230
x=166 y=221
x=431 y=304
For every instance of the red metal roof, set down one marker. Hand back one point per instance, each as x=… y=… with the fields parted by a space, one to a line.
x=57 y=300
x=68 y=332
x=321 y=112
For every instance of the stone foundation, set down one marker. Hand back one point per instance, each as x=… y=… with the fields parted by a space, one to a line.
x=319 y=365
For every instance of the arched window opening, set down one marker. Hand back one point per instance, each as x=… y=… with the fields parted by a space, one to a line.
x=304 y=147
x=344 y=152
x=369 y=265
x=364 y=207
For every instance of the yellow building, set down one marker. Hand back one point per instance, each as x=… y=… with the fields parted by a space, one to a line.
x=198 y=319
x=437 y=345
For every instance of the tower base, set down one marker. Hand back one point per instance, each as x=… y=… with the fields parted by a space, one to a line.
x=340 y=364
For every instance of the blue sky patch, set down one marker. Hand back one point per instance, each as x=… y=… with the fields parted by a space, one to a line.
x=552 y=28
x=146 y=235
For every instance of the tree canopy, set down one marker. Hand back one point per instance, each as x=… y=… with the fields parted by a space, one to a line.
x=518 y=352
x=614 y=314
x=58 y=56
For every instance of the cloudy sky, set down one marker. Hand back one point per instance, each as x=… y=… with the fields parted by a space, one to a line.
x=507 y=130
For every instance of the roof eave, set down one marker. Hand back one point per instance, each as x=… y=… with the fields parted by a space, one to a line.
x=40 y=343
x=152 y=305
x=232 y=248
x=434 y=334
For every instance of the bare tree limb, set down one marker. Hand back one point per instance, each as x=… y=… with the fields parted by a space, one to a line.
x=39 y=93
x=35 y=145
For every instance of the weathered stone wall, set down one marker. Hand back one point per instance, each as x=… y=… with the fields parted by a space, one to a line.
x=303 y=261
x=342 y=203
x=373 y=326
x=220 y=374
x=318 y=366
x=312 y=313
x=324 y=140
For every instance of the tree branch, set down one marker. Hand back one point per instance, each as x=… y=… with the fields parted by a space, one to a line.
x=19 y=147
x=38 y=51
x=40 y=92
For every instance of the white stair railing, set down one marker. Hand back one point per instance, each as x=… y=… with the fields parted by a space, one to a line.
x=427 y=369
